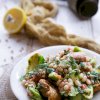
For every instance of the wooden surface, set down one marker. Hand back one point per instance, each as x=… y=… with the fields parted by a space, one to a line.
x=12 y=47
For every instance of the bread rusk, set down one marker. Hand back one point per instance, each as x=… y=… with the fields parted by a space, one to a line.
x=96 y=87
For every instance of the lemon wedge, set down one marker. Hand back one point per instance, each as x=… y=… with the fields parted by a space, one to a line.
x=14 y=20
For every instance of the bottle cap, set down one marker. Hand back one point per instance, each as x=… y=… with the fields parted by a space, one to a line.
x=87 y=8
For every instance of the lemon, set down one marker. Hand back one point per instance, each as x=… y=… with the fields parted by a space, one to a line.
x=14 y=20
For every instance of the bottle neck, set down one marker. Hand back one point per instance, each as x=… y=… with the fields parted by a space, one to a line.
x=87 y=8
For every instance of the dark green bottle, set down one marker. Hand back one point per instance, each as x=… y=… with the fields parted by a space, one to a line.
x=84 y=8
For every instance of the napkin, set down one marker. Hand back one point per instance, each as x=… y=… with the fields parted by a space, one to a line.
x=5 y=89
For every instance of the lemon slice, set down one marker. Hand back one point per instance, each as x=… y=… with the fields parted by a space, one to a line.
x=14 y=20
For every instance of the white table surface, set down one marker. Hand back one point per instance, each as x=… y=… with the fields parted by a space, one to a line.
x=12 y=47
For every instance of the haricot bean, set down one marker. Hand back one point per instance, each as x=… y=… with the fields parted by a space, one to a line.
x=88 y=81
x=79 y=57
x=84 y=78
x=77 y=82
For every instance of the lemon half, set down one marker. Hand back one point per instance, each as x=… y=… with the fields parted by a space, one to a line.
x=14 y=20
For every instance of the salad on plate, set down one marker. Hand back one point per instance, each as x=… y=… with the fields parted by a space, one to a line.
x=70 y=75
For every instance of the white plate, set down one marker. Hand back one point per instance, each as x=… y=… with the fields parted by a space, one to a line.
x=19 y=69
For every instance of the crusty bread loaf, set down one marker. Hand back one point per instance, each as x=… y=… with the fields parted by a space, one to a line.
x=39 y=8
x=49 y=33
